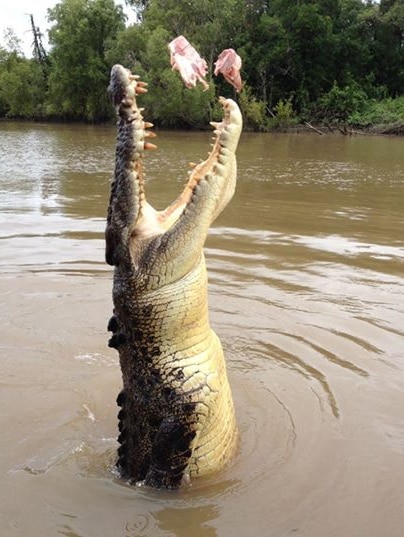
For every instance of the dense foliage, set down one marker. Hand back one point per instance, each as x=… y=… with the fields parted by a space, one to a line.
x=328 y=60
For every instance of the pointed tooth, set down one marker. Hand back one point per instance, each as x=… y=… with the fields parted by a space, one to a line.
x=148 y=145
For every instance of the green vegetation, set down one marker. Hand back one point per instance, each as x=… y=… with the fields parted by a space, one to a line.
x=337 y=62
x=385 y=117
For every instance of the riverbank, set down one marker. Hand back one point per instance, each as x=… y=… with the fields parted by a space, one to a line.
x=393 y=129
x=378 y=117
x=332 y=113
x=381 y=118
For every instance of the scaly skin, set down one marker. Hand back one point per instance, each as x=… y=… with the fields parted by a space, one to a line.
x=177 y=417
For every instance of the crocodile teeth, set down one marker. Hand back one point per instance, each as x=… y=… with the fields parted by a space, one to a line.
x=148 y=145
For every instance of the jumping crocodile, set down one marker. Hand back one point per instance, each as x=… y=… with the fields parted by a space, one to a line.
x=177 y=417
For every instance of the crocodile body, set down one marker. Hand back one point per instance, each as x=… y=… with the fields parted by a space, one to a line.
x=177 y=417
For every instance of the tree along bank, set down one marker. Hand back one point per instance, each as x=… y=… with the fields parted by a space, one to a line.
x=323 y=62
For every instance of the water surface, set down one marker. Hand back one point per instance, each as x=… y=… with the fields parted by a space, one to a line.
x=306 y=270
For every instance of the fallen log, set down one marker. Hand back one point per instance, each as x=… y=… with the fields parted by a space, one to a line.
x=310 y=126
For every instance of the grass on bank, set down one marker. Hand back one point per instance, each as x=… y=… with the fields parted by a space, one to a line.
x=345 y=108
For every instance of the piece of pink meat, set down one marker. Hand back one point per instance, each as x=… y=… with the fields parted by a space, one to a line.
x=229 y=64
x=187 y=61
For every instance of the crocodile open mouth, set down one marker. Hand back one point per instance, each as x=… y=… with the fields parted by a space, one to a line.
x=133 y=141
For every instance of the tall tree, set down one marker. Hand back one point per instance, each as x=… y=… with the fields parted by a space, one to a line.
x=79 y=75
x=210 y=25
x=389 y=49
x=22 y=84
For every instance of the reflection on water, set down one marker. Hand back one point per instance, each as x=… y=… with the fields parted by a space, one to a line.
x=306 y=284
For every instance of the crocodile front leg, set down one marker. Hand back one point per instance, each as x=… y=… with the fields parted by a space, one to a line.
x=163 y=447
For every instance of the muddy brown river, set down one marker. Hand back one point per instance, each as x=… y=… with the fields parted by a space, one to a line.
x=306 y=272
